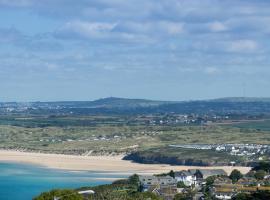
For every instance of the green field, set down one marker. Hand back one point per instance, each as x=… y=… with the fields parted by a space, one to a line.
x=110 y=135
x=259 y=125
x=113 y=135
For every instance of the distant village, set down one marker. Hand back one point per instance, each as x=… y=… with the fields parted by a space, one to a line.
x=251 y=151
x=200 y=184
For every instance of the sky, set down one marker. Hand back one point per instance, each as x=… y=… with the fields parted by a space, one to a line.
x=52 y=50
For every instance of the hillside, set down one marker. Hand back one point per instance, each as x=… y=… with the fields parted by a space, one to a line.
x=113 y=105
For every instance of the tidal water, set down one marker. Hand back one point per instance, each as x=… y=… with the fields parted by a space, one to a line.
x=23 y=182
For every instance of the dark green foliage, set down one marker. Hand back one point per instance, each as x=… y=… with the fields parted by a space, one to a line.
x=120 y=182
x=171 y=174
x=263 y=166
x=121 y=190
x=242 y=196
x=235 y=175
x=134 y=180
x=181 y=196
x=64 y=194
x=181 y=184
x=188 y=195
x=260 y=174
x=210 y=180
x=260 y=195
x=143 y=196
x=180 y=156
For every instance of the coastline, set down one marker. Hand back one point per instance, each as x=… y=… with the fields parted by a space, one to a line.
x=108 y=164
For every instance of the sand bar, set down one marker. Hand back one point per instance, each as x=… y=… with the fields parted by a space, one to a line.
x=110 y=164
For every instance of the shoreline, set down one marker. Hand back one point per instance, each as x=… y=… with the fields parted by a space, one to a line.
x=98 y=164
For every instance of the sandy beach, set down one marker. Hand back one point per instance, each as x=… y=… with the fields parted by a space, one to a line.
x=110 y=164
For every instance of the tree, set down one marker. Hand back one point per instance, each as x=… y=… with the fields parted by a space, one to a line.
x=181 y=196
x=210 y=180
x=181 y=184
x=134 y=180
x=262 y=166
x=261 y=195
x=171 y=173
x=260 y=174
x=65 y=194
x=242 y=196
x=235 y=175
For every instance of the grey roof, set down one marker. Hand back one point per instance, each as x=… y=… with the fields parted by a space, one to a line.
x=209 y=172
x=183 y=173
x=213 y=172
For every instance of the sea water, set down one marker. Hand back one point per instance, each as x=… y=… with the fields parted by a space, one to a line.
x=23 y=182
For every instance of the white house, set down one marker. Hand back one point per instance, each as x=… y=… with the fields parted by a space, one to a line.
x=186 y=177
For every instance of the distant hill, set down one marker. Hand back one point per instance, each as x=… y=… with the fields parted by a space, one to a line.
x=242 y=99
x=114 y=105
x=112 y=102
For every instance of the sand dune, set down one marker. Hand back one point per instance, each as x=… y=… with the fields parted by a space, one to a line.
x=111 y=164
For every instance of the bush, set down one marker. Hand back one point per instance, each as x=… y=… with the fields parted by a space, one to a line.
x=64 y=194
x=265 y=166
x=181 y=196
x=242 y=196
x=260 y=174
x=235 y=175
x=181 y=184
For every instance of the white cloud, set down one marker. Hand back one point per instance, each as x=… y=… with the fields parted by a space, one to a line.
x=217 y=26
x=87 y=29
x=124 y=31
x=211 y=70
x=243 y=46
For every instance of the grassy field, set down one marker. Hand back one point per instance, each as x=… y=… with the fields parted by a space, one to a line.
x=183 y=156
x=259 y=126
x=110 y=134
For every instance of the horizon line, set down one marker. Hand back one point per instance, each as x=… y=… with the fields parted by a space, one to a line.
x=129 y=98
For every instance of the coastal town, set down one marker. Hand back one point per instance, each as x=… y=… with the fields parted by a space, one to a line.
x=199 y=184
x=189 y=184
x=251 y=151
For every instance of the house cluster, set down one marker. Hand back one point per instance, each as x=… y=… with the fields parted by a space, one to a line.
x=253 y=151
x=250 y=151
x=214 y=183
x=224 y=189
x=167 y=186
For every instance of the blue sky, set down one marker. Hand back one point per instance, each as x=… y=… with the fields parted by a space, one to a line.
x=155 y=49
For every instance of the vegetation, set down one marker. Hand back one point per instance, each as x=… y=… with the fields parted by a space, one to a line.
x=188 y=195
x=265 y=166
x=260 y=195
x=260 y=174
x=64 y=194
x=181 y=184
x=128 y=189
x=181 y=196
x=263 y=125
x=235 y=175
x=111 y=134
x=182 y=156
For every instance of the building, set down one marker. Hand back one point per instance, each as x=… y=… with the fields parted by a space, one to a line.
x=186 y=177
x=205 y=173
x=165 y=186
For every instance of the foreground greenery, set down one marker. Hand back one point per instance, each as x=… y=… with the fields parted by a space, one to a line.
x=130 y=189
x=127 y=189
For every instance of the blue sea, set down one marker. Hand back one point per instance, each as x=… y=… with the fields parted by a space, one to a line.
x=23 y=182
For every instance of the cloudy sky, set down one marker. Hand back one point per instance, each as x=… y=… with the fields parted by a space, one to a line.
x=155 y=49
